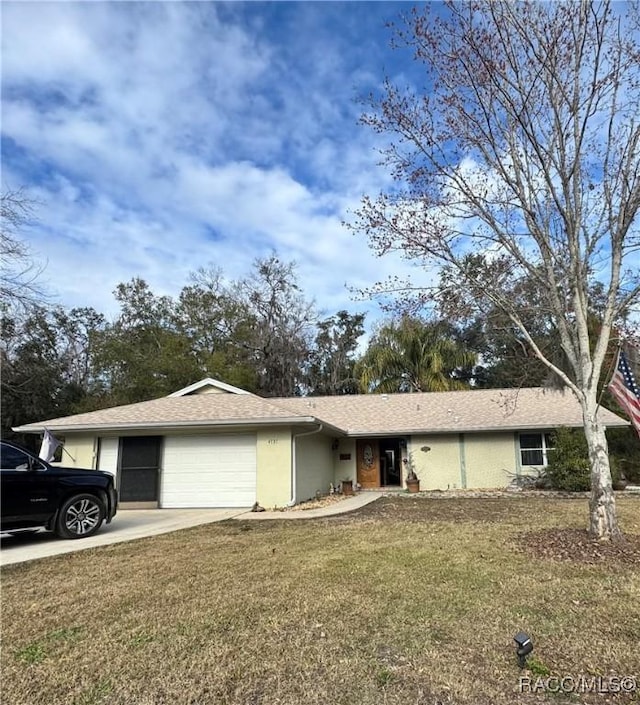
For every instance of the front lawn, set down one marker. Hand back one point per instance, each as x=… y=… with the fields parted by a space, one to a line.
x=410 y=600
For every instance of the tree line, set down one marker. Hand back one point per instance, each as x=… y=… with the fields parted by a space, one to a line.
x=261 y=333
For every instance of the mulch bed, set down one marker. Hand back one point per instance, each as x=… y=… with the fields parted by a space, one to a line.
x=577 y=546
x=561 y=544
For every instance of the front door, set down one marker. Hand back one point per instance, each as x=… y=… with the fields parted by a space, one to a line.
x=390 y=457
x=368 y=451
x=139 y=468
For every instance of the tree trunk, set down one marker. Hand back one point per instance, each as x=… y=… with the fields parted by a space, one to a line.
x=603 y=520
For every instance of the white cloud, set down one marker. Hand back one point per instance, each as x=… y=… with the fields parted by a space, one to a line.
x=159 y=137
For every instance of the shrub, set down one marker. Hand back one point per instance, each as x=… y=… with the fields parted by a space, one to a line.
x=568 y=467
x=624 y=446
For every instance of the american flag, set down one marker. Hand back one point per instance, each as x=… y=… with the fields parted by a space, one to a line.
x=625 y=389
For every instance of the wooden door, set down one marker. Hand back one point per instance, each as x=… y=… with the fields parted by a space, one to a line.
x=368 y=463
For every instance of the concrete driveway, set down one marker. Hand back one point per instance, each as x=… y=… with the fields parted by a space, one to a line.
x=127 y=525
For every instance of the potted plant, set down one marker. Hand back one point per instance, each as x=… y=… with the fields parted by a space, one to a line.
x=347 y=487
x=411 y=480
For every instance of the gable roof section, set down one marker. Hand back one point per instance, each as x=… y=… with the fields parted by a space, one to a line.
x=358 y=415
x=198 y=387
x=198 y=410
x=448 y=412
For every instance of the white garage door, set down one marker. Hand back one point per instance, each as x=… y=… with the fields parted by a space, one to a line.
x=209 y=471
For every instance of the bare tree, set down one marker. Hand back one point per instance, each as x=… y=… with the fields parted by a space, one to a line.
x=283 y=323
x=18 y=271
x=520 y=161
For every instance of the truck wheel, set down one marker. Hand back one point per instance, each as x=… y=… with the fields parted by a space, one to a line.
x=80 y=516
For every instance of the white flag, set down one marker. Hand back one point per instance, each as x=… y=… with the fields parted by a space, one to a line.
x=48 y=447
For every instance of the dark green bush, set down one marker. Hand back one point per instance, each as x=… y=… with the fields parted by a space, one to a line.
x=624 y=446
x=568 y=467
x=617 y=475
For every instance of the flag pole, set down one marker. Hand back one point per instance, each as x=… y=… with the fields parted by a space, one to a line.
x=612 y=368
x=58 y=443
x=64 y=450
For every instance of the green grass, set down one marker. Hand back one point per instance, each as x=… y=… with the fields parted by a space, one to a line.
x=411 y=600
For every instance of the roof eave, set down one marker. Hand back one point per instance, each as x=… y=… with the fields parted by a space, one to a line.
x=285 y=421
x=471 y=429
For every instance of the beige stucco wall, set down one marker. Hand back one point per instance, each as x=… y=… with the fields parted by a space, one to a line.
x=273 y=459
x=314 y=465
x=439 y=468
x=490 y=459
x=479 y=460
x=484 y=459
x=473 y=460
x=210 y=390
x=79 y=451
x=345 y=469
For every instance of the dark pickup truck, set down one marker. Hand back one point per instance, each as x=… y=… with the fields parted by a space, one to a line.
x=72 y=502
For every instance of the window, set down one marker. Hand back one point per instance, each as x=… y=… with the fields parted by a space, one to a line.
x=14 y=459
x=534 y=448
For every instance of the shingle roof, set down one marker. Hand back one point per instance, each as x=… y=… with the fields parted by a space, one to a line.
x=475 y=410
x=192 y=410
x=364 y=414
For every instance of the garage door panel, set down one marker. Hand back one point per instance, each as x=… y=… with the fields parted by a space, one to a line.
x=209 y=471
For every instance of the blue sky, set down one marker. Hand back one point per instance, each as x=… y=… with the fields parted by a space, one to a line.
x=160 y=137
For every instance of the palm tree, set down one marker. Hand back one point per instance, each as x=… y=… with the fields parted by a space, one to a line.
x=413 y=356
